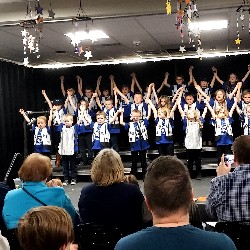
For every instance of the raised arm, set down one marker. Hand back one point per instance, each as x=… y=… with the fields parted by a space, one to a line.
x=95 y=95
x=164 y=83
x=62 y=86
x=199 y=90
x=71 y=103
x=92 y=100
x=132 y=87
x=121 y=95
x=149 y=90
x=121 y=117
x=155 y=94
x=210 y=108
x=97 y=90
x=137 y=83
x=22 y=112
x=247 y=74
x=190 y=72
x=230 y=114
x=112 y=84
x=231 y=95
x=79 y=85
x=151 y=105
x=213 y=81
x=47 y=99
x=180 y=108
x=216 y=75
x=116 y=100
x=173 y=109
x=50 y=117
x=177 y=94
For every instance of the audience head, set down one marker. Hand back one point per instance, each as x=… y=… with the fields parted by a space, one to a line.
x=167 y=187
x=130 y=178
x=36 y=168
x=68 y=120
x=221 y=112
x=100 y=117
x=135 y=115
x=45 y=227
x=107 y=168
x=41 y=122
x=241 y=149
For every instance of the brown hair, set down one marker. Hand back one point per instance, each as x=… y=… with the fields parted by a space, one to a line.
x=45 y=227
x=245 y=92
x=167 y=186
x=168 y=102
x=86 y=102
x=36 y=167
x=101 y=113
x=241 y=149
x=130 y=178
x=107 y=168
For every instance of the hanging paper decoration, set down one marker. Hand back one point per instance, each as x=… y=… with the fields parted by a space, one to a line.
x=182 y=49
x=88 y=53
x=240 y=15
x=168 y=7
x=79 y=50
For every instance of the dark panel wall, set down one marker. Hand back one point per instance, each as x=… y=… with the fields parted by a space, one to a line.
x=21 y=87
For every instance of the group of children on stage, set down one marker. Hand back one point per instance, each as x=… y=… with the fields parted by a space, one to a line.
x=102 y=118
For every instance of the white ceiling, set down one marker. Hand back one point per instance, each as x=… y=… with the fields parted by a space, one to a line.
x=124 y=21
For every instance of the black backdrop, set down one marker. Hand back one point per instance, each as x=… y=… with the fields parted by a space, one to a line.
x=21 y=87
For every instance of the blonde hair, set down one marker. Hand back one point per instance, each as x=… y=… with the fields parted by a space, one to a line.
x=223 y=92
x=165 y=111
x=137 y=111
x=220 y=109
x=69 y=116
x=101 y=113
x=42 y=117
x=107 y=168
x=45 y=227
x=36 y=167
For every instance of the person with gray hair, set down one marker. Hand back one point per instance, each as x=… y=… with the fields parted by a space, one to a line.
x=168 y=194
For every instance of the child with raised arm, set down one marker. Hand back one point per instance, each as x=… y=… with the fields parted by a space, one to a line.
x=164 y=120
x=106 y=93
x=222 y=120
x=192 y=125
x=70 y=92
x=110 y=111
x=138 y=139
x=245 y=86
x=68 y=149
x=42 y=133
x=58 y=112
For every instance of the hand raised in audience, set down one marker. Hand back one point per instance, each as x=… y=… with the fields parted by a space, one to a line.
x=223 y=168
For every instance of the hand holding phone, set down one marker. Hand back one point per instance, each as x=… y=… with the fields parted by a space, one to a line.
x=229 y=159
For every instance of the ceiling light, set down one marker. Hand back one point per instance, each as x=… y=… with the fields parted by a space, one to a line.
x=92 y=35
x=209 y=25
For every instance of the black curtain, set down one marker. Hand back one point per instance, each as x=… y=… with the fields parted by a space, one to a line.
x=20 y=87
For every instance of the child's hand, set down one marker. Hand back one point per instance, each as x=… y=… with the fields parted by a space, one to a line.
x=166 y=74
x=95 y=95
x=78 y=78
x=121 y=110
x=214 y=70
x=248 y=67
x=43 y=92
x=53 y=108
x=133 y=75
x=22 y=112
x=62 y=77
x=191 y=68
x=111 y=77
x=115 y=88
x=148 y=101
x=100 y=78
x=239 y=84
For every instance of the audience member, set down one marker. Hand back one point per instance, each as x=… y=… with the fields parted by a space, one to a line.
x=229 y=196
x=34 y=171
x=46 y=227
x=168 y=194
x=109 y=201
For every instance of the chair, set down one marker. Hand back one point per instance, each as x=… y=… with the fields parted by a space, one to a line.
x=97 y=237
x=238 y=231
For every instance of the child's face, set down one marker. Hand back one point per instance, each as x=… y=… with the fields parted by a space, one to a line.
x=219 y=96
x=108 y=105
x=105 y=92
x=163 y=102
x=71 y=92
x=83 y=106
x=41 y=123
x=232 y=78
x=161 y=114
x=88 y=93
x=246 y=98
x=125 y=90
x=221 y=113
x=68 y=122
x=135 y=116
x=189 y=99
x=100 y=119
x=179 y=80
x=204 y=84
x=137 y=99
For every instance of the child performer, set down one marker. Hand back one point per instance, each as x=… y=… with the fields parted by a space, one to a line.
x=106 y=92
x=138 y=139
x=110 y=111
x=244 y=118
x=68 y=148
x=192 y=124
x=42 y=132
x=222 y=120
x=57 y=121
x=164 y=120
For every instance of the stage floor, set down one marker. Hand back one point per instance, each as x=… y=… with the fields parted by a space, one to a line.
x=200 y=187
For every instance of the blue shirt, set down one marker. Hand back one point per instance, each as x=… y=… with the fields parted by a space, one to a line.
x=17 y=202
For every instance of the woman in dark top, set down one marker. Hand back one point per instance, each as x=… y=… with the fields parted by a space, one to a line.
x=108 y=200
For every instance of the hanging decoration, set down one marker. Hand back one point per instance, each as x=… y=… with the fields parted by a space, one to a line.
x=168 y=7
x=240 y=17
x=32 y=31
x=88 y=53
x=51 y=12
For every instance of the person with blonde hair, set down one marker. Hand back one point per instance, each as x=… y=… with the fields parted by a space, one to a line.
x=109 y=201
x=34 y=171
x=33 y=230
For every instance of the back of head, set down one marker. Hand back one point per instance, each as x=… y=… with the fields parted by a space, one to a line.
x=107 y=168
x=45 y=227
x=241 y=149
x=167 y=187
x=36 y=167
